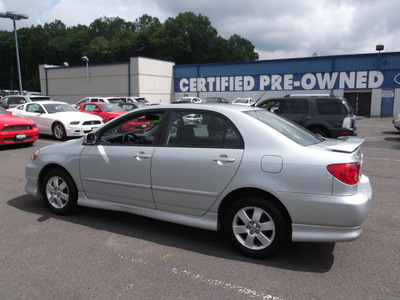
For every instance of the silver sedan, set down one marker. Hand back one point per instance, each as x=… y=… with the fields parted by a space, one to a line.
x=260 y=178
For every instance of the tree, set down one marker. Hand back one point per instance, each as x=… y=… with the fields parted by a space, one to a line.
x=240 y=49
x=108 y=27
x=189 y=38
x=150 y=37
x=186 y=39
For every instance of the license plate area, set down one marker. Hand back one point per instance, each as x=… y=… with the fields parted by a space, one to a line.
x=20 y=136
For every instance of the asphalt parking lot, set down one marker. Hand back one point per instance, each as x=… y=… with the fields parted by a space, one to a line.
x=108 y=255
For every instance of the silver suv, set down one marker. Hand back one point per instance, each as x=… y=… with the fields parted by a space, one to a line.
x=328 y=115
x=11 y=101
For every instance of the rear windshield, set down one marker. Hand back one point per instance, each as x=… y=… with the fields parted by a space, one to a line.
x=39 y=98
x=289 y=129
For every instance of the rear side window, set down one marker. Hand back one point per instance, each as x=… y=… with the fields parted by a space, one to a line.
x=330 y=106
x=294 y=106
x=202 y=130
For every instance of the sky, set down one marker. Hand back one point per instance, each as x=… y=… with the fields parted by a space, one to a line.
x=277 y=28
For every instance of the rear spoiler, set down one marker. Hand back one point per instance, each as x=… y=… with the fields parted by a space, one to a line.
x=347 y=144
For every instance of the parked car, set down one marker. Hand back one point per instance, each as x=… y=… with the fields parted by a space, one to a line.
x=215 y=100
x=242 y=172
x=11 y=101
x=132 y=105
x=59 y=119
x=134 y=99
x=396 y=121
x=3 y=104
x=193 y=119
x=243 y=101
x=323 y=114
x=107 y=111
x=189 y=100
x=16 y=130
x=98 y=99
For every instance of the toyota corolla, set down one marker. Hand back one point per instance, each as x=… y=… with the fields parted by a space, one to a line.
x=260 y=178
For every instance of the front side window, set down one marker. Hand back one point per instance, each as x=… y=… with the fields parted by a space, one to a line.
x=202 y=130
x=138 y=130
x=272 y=105
x=34 y=108
x=89 y=107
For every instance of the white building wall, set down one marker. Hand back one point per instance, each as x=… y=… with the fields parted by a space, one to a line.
x=149 y=78
x=396 y=104
x=376 y=101
x=152 y=79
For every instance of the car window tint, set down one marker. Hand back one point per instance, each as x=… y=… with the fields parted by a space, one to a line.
x=289 y=129
x=330 y=106
x=202 y=130
x=137 y=130
x=295 y=106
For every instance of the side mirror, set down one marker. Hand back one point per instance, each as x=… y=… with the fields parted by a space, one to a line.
x=89 y=139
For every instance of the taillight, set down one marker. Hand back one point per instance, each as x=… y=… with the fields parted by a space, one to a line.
x=348 y=173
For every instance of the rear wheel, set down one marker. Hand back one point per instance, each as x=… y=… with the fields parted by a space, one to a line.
x=59 y=132
x=59 y=192
x=256 y=227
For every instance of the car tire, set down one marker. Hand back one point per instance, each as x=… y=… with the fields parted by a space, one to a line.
x=59 y=192
x=59 y=132
x=256 y=227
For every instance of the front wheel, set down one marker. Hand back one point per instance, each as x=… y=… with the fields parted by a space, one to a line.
x=59 y=132
x=59 y=192
x=256 y=227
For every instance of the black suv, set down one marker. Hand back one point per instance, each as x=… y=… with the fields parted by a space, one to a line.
x=328 y=115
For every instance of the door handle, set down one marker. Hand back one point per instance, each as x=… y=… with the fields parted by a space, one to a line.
x=141 y=155
x=224 y=159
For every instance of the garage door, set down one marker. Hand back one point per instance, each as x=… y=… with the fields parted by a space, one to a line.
x=360 y=102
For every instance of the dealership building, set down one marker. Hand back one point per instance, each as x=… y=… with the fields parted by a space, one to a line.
x=370 y=82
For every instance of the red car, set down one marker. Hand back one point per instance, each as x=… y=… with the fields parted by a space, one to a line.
x=108 y=111
x=16 y=130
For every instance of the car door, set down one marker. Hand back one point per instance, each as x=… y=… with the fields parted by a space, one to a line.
x=195 y=164
x=117 y=169
x=37 y=113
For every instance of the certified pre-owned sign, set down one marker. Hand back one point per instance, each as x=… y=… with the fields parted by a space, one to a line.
x=277 y=82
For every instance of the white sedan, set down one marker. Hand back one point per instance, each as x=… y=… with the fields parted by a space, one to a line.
x=244 y=101
x=59 y=119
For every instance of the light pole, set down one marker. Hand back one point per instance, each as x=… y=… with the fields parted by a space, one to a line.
x=15 y=17
x=86 y=60
x=379 y=48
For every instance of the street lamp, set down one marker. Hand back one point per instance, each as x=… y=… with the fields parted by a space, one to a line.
x=15 y=17
x=86 y=60
x=379 y=48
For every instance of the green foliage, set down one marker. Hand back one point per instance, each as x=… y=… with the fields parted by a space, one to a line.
x=186 y=39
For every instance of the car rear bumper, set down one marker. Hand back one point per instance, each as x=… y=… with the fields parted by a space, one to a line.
x=319 y=218
x=313 y=233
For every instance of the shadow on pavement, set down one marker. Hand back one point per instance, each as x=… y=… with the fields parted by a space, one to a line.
x=305 y=257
